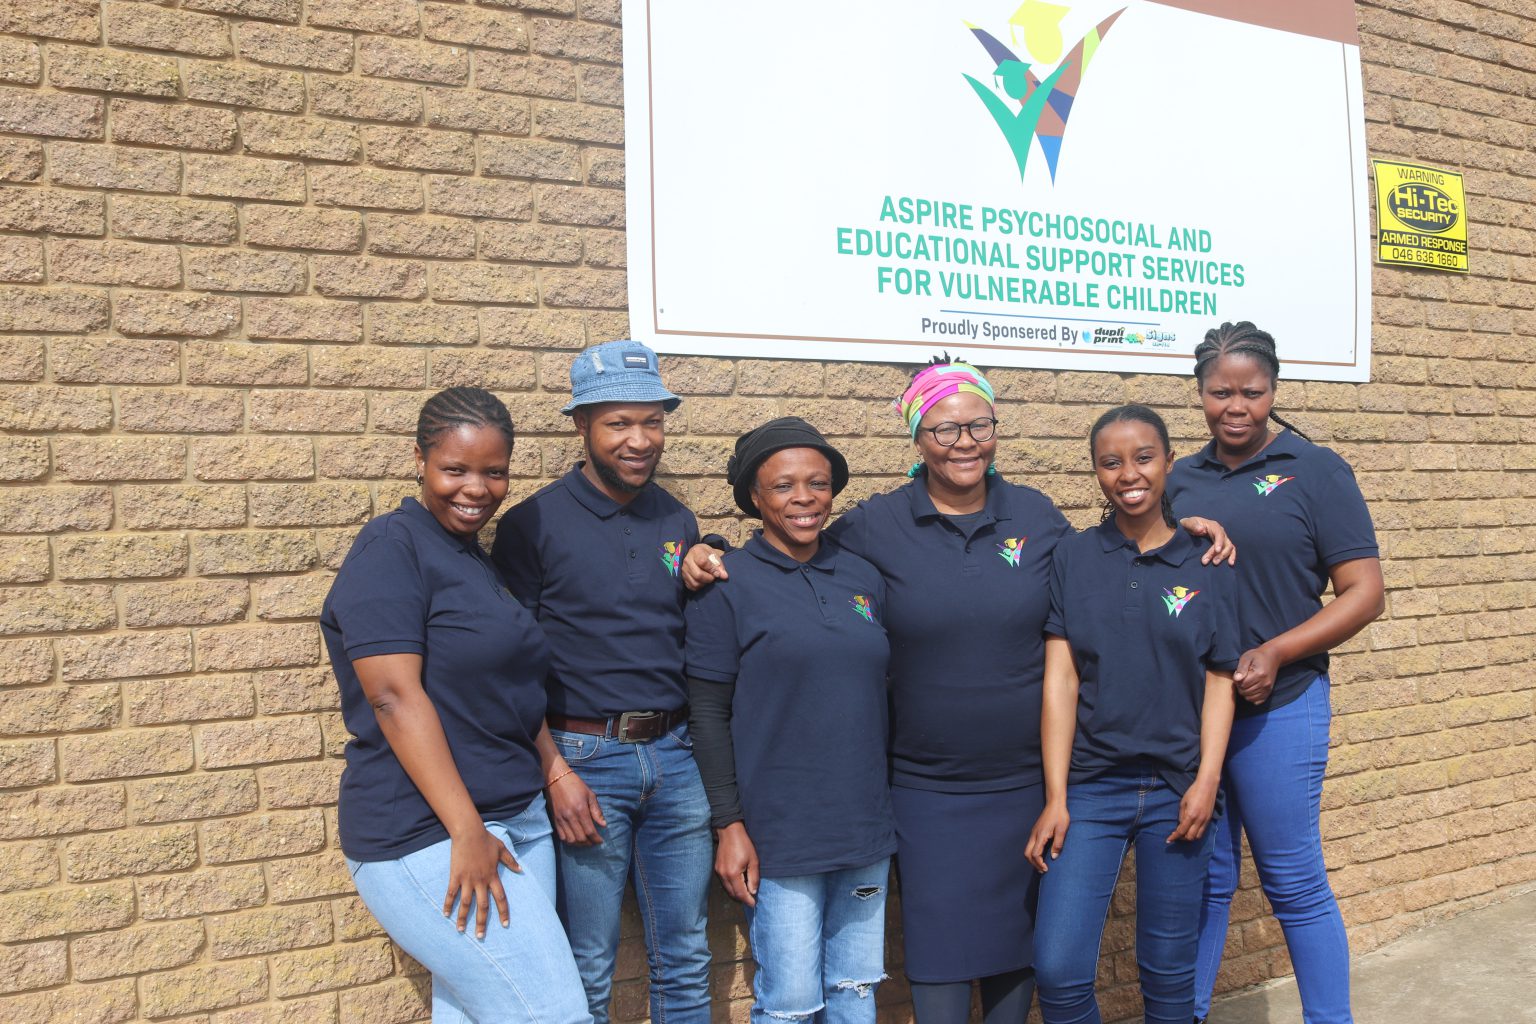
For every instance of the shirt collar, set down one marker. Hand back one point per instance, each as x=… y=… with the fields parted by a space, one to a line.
x=824 y=559
x=602 y=506
x=418 y=512
x=1178 y=548
x=923 y=507
x=1285 y=445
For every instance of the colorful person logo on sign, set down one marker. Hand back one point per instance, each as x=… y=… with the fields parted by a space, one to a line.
x=862 y=605
x=1010 y=550
x=1038 y=110
x=1266 y=485
x=672 y=556
x=1177 y=598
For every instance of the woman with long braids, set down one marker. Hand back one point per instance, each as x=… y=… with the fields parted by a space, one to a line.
x=1295 y=510
x=442 y=688
x=966 y=556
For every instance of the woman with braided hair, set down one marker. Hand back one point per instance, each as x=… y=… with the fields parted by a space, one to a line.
x=1297 y=514
x=441 y=674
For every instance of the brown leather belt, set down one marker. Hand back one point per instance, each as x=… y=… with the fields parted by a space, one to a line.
x=630 y=727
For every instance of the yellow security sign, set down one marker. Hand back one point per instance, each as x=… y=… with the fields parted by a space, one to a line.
x=1421 y=217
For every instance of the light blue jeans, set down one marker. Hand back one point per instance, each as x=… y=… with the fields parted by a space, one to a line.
x=1274 y=789
x=523 y=974
x=658 y=836
x=819 y=944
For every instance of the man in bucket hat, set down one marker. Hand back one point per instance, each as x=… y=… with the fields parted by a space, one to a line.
x=595 y=556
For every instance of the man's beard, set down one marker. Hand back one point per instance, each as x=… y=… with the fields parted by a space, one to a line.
x=610 y=476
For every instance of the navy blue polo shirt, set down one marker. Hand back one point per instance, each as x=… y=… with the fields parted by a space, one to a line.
x=1293 y=510
x=408 y=586
x=805 y=646
x=602 y=579
x=966 y=600
x=1144 y=627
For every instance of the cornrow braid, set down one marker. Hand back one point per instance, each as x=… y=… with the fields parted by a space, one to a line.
x=462 y=407
x=1242 y=339
x=1134 y=414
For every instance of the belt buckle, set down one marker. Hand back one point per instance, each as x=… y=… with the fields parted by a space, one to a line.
x=633 y=716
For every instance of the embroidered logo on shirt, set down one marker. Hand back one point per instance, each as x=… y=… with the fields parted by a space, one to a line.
x=1010 y=550
x=864 y=607
x=1265 y=484
x=672 y=555
x=1177 y=598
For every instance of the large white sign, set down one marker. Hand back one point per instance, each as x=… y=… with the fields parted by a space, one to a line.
x=1083 y=186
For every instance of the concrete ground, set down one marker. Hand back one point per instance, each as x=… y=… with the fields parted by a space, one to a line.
x=1479 y=968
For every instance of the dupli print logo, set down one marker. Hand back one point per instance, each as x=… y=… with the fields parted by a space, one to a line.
x=864 y=607
x=1266 y=485
x=671 y=554
x=1010 y=550
x=1035 y=110
x=1177 y=599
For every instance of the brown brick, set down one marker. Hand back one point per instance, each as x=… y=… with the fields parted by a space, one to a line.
x=316 y=1010
x=33 y=965
x=54 y=509
x=501 y=371
x=530 y=158
x=130 y=24
x=335 y=967
x=53 y=812
x=292 y=597
x=271 y=272
x=173 y=220
x=22 y=359
x=201 y=892
x=61 y=19
x=471 y=26
x=421 y=149
x=588 y=207
x=370 y=367
x=252 y=458
x=605 y=249
x=118 y=755
x=421 y=325
x=368 y=101
x=213 y=82
x=365 y=187
x=253 y=552
x=601 y=85
x=479 y=282
x=295 y=47
x=473 y=197
x=195 y=989
x=23 y=458
x=309 y=504
x=392 y=17
x=226 y=648
x=24 y=560
x=168 y=701
x=396 y=1001
x=291 y=690
x=247 y=364
x=421 y=62
x=26 y=661
x=118 y=557
x=56 y=310
x=192 y=797
x=525 y=76
x=366 y=458
x=169 y=507
x=151 y=948
x=21 y=160
x=307 y=784
x=308 y=412
x=172 y=124
x=54 y=409
x=474 y=111
x=28 y=866
x=198 y=316
x=158 y=410
x=579 y=40
x=21 y=61
x=531 y=243
x=303 y=878
x=109 y=1003
x=115 y=263
x=237 y=744
x=579 y=121
x=263 y=837
x=245 y=178
x=528 y=328
x=304 y=320
x=309 y=138
x=138 y=170
x=269 y=931
x=52 y=114
x=111 y=361
x=38 y=915
x=420 y=236
x=53 y=210
x=369 y=278
x=585 y=288
x=139 y=851
x=272 y=10
x=28 y=763
x=21 y=259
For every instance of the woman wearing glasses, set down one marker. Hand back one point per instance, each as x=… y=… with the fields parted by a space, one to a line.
x=966 y=557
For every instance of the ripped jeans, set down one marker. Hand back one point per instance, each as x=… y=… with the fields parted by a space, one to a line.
x=819 y=943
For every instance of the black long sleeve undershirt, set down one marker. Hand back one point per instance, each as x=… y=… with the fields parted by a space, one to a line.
x=709 y=723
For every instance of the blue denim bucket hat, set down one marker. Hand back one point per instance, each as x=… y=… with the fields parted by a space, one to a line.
x=617 y=371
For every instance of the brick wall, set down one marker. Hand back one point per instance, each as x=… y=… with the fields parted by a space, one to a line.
x=242 y=240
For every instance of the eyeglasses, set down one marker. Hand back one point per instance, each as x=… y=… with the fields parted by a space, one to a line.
x=948 y=434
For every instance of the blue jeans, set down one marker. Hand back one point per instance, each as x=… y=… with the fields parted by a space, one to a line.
x=658 y=835
x=523 y=973
x=1274 y=789
x=819 y=944
x=1108 y=814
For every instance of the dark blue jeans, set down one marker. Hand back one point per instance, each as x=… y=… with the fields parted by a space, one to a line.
x=1108 y=815
x=1274 y=788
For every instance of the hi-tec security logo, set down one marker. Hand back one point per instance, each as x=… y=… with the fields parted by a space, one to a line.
x=1036 y=110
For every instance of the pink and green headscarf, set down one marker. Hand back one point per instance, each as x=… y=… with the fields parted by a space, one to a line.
x=935 y=383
